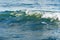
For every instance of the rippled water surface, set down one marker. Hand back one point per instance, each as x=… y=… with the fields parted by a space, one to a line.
x=46 y=5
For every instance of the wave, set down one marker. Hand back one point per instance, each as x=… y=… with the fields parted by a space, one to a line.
x=29 y=20
x=31 y=15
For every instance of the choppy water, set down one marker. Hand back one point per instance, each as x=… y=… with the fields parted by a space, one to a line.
x=47 y=5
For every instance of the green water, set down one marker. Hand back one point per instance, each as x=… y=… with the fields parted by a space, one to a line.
x=22 y=26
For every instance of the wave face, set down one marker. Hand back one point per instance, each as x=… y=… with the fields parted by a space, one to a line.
x=47 y=5
x=29 y=25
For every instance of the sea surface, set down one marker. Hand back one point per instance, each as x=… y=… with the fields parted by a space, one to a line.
x=46 y=5
x=16 y=25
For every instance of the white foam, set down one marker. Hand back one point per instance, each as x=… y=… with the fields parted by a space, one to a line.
x=52 y=15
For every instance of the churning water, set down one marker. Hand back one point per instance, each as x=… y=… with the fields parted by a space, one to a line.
x=29 y=19
x=19 y=25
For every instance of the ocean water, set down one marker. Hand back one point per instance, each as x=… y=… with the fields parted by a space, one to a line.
x=29 y=19
x=46 y=5
x=33 y=25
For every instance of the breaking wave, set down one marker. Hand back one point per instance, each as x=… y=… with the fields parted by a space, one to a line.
x=23 y=24
x=33 y=20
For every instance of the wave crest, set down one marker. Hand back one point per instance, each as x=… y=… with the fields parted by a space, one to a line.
x=30 y=16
